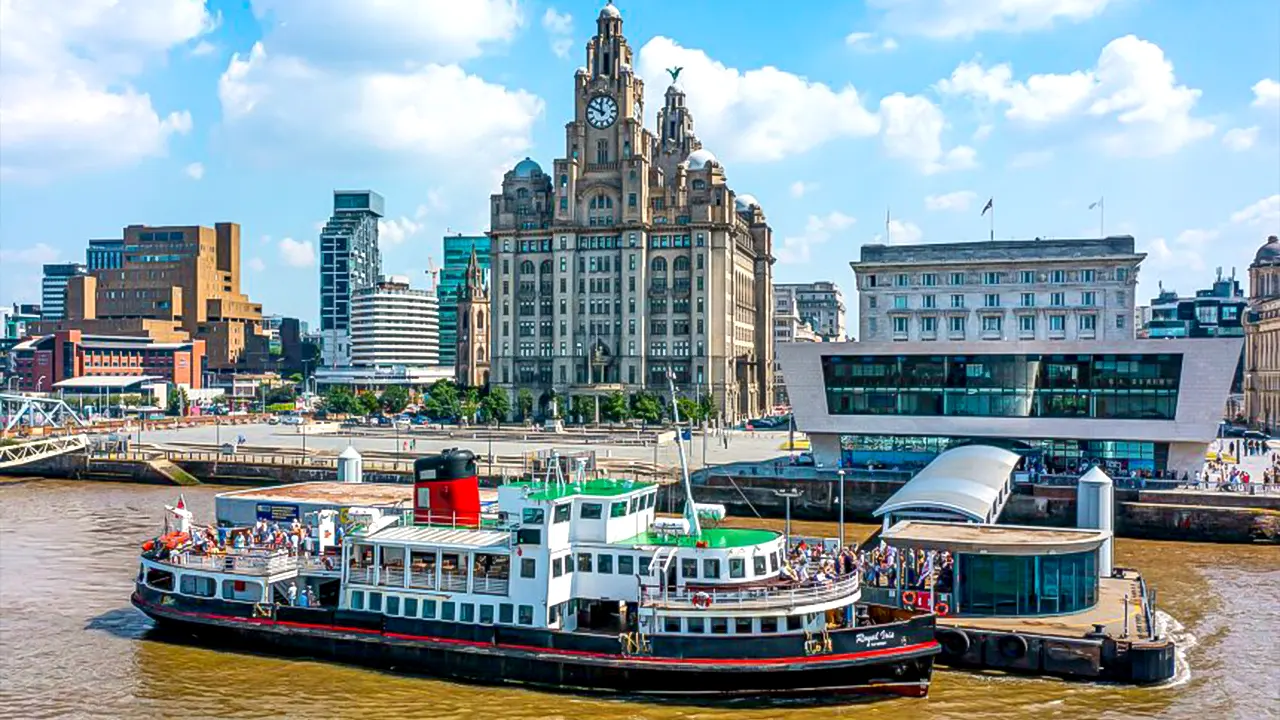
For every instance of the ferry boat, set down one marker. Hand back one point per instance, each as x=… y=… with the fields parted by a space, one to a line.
x=573 y=583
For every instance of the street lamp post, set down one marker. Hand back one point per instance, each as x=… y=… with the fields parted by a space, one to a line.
x=840 y=472
x=788 y=494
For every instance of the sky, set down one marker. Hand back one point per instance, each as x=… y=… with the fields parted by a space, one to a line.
x=851 y=122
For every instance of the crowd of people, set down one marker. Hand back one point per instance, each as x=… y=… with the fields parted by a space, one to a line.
x=888 y=567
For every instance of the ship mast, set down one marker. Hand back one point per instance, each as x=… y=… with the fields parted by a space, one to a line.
x=690 y=510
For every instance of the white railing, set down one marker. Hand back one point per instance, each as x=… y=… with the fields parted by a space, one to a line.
x=490 y=585
x=424 y=579
x=391 y=576
x=453 y=582
x=240 y=564
x=752 y=598
x=311 y=563
x=361 y=575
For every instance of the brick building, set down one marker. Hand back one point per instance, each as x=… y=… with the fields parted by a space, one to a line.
x=39 y=362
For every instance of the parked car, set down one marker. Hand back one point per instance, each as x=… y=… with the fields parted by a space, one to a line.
x=293 y=420
x=273 y=420
x=1229 y=430
x=1256 y=435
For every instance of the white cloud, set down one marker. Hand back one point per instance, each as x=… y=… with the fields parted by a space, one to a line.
x=904 y=232
x=869 y=43
x=755 y=115
x=1133 y=85
x=954 y=201
x=297 y=253
x=195 y=170
x=1030 y=159
x=966 y=18
x=1265 y=213
x=798 y=248
x=37 y=254
x=339 y=32
x=204 y=47
x=559 y=27
x=65 y=97
x=433 y=111
x=801 y=188
x=913 y=130
x=397 y=231
x=1266 y=93
x=983 y=132
x=256 y=264
x=1240 y=139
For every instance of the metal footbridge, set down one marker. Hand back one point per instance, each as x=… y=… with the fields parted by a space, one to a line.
x=36 y=412
x=22 y=453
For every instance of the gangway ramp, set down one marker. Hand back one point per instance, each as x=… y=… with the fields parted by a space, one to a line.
x=29 y=451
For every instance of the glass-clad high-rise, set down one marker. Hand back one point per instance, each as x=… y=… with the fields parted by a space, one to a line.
x=349 y=260
x=457 y=253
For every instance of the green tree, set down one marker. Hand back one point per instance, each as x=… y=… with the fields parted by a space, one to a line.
x=524 y=400
x=281 y=394
x=496 y=405
x=442 y=401
x=340 y=400
x=707 y=405
x=614 y=407
x=177 y=404
x=367 y=402
x=470 y=404
x=690 y=411
x=583 y=408
x=646 y=408
x=394 y=398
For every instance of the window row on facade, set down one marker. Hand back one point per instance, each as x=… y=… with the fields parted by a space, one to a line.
x=958 y=301
x=993 y=277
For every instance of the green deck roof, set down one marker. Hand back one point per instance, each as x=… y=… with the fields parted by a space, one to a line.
x=601 y=487
x=714 y=537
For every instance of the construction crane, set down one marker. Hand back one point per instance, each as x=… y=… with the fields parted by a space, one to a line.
x=433 y=272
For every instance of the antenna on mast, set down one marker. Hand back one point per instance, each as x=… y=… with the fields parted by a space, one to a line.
x=690 y=510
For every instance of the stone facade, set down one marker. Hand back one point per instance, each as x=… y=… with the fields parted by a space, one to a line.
x=1262 y=338
x=633 y=258
x=819 y=305
x=473 y=330
x=1005 y=290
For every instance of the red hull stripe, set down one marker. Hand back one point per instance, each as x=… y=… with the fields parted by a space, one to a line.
x=737 y=662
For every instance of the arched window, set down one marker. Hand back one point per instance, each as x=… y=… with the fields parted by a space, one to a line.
x=522 y=193
x=659 y=265
x=480 y=320
x=545 y=268
x=681 y=264
x=699 y=184
x=526 y=267
x=593 y=203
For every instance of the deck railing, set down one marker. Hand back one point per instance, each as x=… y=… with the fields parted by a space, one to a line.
x=490 y=585
x=425 y=580
x=751 y=598
x=391 y=576
x=236 y=563
x=453 y=582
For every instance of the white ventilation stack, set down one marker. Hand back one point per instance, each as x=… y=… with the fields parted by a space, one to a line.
x=1095 y=510
x=350 y=466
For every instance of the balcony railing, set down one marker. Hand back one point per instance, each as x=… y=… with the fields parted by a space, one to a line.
x=256 y=563
x=752 y=598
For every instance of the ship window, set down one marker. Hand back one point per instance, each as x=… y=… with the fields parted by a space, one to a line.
x=393 y=604
x=695 y=625
x=737 y=568
x=448 y=610
x=584 y=562
x=357 y=600
x=486 y=614
x=759 y=565
x=794 y=622
x=198 y=585
x=689 y=568
x=504 y=613
x=618 y=509
x=644 y=565
x=671 y=624
x=626 y=565
x=429 y=609
x=375 y=602
x=773 y=563
x=528 y=568
x=768 y=624
x=529 y=536
x=533 y=516
x=561 y=513
x=468 y=613
x=711 y=569
x=411 y=607
x=557 y=569
x=742 y=625
x=604 y=564
x=526 y=615
x=160 y=579
x=591 y=511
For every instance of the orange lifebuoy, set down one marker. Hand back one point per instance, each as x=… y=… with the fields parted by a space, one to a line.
x=148 y=546
x=702 y=600
x=909 y=597
x=942 y=610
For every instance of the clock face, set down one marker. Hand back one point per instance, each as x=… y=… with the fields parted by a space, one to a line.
x=602 y=111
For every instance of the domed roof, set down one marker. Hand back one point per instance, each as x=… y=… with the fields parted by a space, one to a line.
x=610 y=11
x=699 y=159
x=1269 y=253
x=743 y=203
x=526 y=168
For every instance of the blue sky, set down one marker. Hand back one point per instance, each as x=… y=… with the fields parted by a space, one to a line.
x=187 y=111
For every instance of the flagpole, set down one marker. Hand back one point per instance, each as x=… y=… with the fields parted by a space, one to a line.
x=993 y=222
x=888 y=234
x=1102 y=217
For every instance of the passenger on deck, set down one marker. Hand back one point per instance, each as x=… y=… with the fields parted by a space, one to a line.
x=293 y=593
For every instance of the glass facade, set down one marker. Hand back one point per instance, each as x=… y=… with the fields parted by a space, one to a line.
x=457 y=253
x=1131 y=387
x=1026 y=585
x=1054 y=455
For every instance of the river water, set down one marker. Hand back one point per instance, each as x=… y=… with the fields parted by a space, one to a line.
x=72 y=646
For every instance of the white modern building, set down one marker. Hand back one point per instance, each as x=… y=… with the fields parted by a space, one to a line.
x=394 y=325
x=1145 y=405
x=1005 y=290
x=820 y=305
x=787 y=327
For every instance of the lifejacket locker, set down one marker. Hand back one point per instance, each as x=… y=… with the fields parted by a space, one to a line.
x=446 y=490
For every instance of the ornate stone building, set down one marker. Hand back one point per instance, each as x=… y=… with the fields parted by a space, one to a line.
x=633 y=258
x=473 y=327
x=1262 y=337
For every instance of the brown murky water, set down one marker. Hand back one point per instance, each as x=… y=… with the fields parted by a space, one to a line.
x=71 y=646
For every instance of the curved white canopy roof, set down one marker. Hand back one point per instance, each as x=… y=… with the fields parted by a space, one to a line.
x=968 y=480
